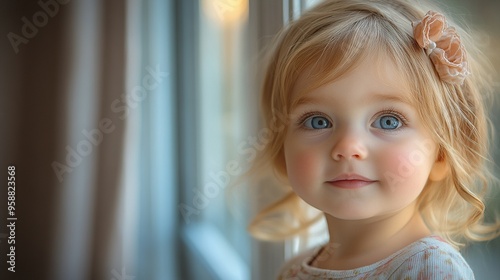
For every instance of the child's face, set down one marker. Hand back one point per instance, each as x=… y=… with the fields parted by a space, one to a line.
x=354 y=148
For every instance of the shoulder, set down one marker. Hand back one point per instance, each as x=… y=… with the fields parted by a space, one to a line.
x=433 y=258
x=430 y=258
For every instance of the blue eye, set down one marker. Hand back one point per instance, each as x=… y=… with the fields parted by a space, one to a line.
x=388 y=122
x=317 y=123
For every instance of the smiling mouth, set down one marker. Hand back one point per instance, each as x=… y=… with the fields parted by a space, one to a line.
x=350 y=184
x=350 y=181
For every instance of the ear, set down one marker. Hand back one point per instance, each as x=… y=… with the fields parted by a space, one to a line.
x=440 y=169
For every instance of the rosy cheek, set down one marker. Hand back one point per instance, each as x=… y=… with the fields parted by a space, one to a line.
x=404 y=167
x=303 y=168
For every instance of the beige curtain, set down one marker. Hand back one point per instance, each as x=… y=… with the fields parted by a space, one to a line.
x=62 y=65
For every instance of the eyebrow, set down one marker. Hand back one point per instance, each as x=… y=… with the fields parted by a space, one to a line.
x=304 y=100
x=390 y=97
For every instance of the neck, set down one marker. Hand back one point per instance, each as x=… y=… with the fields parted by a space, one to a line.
x=362 y=242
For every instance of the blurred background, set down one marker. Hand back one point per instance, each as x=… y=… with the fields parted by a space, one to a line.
x=128 y=122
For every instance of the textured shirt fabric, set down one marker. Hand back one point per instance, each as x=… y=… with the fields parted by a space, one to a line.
x=429 y=258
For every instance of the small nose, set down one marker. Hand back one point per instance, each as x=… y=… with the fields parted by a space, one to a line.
x=348 y=146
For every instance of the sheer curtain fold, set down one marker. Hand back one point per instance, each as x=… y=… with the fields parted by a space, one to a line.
x=110 y=157
x=120 y=69
x=31 y=98
x=61 y=132
x=90 y=193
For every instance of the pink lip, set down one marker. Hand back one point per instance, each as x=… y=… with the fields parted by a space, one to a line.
x=350 y=181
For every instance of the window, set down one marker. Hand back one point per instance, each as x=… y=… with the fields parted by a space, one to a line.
x=214 y=233
x=219 y=116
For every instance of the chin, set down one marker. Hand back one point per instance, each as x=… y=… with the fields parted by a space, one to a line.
x=349 y=215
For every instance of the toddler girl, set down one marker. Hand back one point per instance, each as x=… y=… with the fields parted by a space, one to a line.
x=378 y=117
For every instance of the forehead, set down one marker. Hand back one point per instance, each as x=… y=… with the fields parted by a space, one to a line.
x=374 y=70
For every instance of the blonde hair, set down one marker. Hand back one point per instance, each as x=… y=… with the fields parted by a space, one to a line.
x=330 y=39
